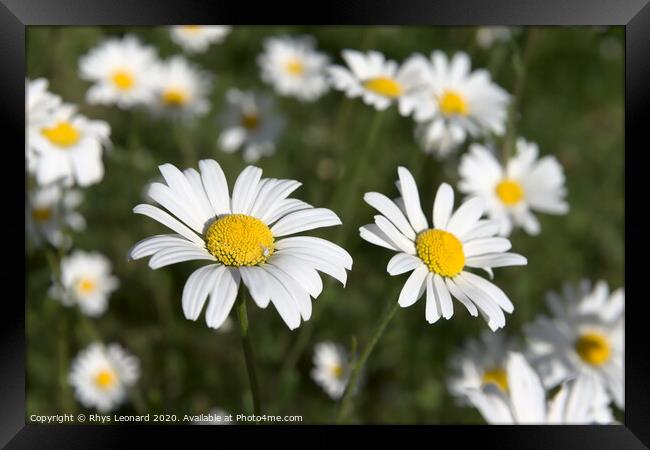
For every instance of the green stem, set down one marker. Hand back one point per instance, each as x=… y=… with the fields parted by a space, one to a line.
x=346 y=402
x=242 y=316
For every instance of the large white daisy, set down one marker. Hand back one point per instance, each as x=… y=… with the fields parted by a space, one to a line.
x=456 y=103
x=242 y=236
x=581 y=400
x=482 y=361
x=294 y=67
x=182 y=89
x=250 y=123
x=513 y=192
x=86 y=281
x=49 y=211
x=197 y=38
x=331 y=368
x=121 y=71
x=68 y=148
x=584 y=334
x=378 y=81
x=438 y=256
x=101 y=376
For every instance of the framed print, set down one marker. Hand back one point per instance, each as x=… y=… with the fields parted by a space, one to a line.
x=391 y=218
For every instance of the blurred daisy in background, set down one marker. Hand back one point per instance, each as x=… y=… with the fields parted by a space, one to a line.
x=481 y=362
x=581 y=400
x=294 y=68
x=331 y=368
x=40 y=110
x=487 y=36
x=86 y=281
x=197 y=38
x=239 y=235
x=250 y=123
x=437 y=257
x=50 y=211
x=101 y=376
x=584 y=334
x=455 y=103
x=120 y=69
x=511 y=194
x=216 y=416
x=182 y=89
x=378 y=81
x=68 y=148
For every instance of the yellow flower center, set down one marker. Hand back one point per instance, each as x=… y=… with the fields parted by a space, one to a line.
x=510 y=192
x=295 y=67
x=239 y=240
x=384 y=86
x=496 y=376
x=174 y=97
x=250 y=121
x=86 y=286
x=42 y=214
x=123 y=79
x=593 y=348
x=441 y=251
x=105 y=378
x=191 y=28
x=63 y=134
x=453 y=103
x=337 y=371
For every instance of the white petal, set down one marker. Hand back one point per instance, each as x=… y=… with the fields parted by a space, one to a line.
x=461 y=297
x=216 y=186
x=318 y=246
x=170 y=222
x=391 y=211
x=443 y=206
x=317 y=262
x=482 y=246
x=484 y=228
x=394 y=234
x=175 y=204
x=254 y=279
x=526 y=391
x=183 y=191
x=494 y=314
x=496 y=260
x=413 y=288
x=178 y=254
x=432 y=310
x=304 y=220
x=297 y=292
x=443 y=297
x=305 y=275
x=491 y=289
x=149 y=246
x=466 y=217
x=197 y=288
x=409 y=191
x=245 y=189
x=402 y=263
x=222 y=298
x=373 y=234
x=283 y=301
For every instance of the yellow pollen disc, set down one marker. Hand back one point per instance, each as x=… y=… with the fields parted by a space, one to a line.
x=497 y=377
x=441 y=251
x=593 y=348
x=123 y=80
x=510 y=192
x=384 y=86
x=191 y=28
x=239 y=240
x=337 y=371
x=42 y=214
x=63 y=134
x=86 y=286
x=174 y=97
x=105 y=378
x=295 y=67
x=453 y=104
x=250 y=121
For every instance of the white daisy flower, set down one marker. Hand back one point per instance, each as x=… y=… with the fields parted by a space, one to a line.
x=40 y=109
x=197 y=38
x=482 y=361
x=69 y=148
x=584 y=334
x=181 y=88
x=438 y=256
x=487 y=36
x=243 y=238
x=455 y=102
x=121 y=71
x=216 y=416
x=250 y=123
x=379 y=81
x=50 y=210
x=101 y=376
x=580 y=400
x=86 y=281
x=331 y=368
x=294 y=67
x=513 y=192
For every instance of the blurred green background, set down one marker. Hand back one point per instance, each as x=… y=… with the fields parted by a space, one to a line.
x=571 y=104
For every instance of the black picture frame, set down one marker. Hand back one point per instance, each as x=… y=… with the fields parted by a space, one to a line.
x=634 y=15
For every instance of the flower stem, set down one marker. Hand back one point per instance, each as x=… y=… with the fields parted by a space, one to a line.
x=346 y=402
x=242 y=315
